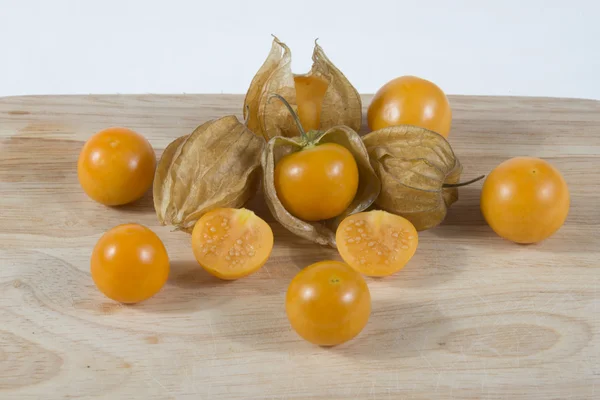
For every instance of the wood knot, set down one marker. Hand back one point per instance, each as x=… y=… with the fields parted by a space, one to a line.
x=152 y=339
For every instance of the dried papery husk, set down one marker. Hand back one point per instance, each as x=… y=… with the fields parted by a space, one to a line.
x=341 y=103
x=321 y=232
x=419 y=173
x=218 y=165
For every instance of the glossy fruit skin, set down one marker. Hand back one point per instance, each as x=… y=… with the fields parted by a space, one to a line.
x=116 y=166
x=525 y=200
x=129 y=263
x=328 y=303
x=231 y=243
x=310 y=91
x=376 y=243
x=318 y=182
x=409 y=100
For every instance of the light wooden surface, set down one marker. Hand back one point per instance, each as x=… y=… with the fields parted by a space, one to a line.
x=471 y=317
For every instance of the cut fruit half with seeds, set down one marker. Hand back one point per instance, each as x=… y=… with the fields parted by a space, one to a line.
x=376 y=243
x=231 y=243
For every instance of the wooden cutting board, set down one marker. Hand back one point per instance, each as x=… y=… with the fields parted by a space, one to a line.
x=471 y=317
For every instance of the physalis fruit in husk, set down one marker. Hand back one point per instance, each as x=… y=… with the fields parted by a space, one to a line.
x=317 y=183
x=419 y=173
x=366 y=191
x=217 y=165
x=322 y=98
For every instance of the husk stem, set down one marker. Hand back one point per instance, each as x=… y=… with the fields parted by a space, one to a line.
x=460 y=184
x=305 y=138
x=247 y=118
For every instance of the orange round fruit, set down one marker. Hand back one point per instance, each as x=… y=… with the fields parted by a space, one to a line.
x=231 y=243
x=129 y=263
x=328 y=303
x=409 y=100
x=376 y=243
x=116 y=166
x=525 y=200
x=318 y=182
x=310 y=91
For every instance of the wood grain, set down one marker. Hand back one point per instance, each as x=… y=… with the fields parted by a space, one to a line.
x=471 y=317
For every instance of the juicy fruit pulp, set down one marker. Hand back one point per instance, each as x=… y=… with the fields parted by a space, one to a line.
x=409 y=100
x=310 y=91
x=129 y=263
x=116 y=166
x=231 y=243
x=328 y=303
x=525 y=200
x=376 y=243
x=318 y=182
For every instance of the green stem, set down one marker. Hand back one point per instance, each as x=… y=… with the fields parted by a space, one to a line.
x=453 y=185
x=294 y=115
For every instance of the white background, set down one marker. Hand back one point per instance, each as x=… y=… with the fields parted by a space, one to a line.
x=524 y=47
